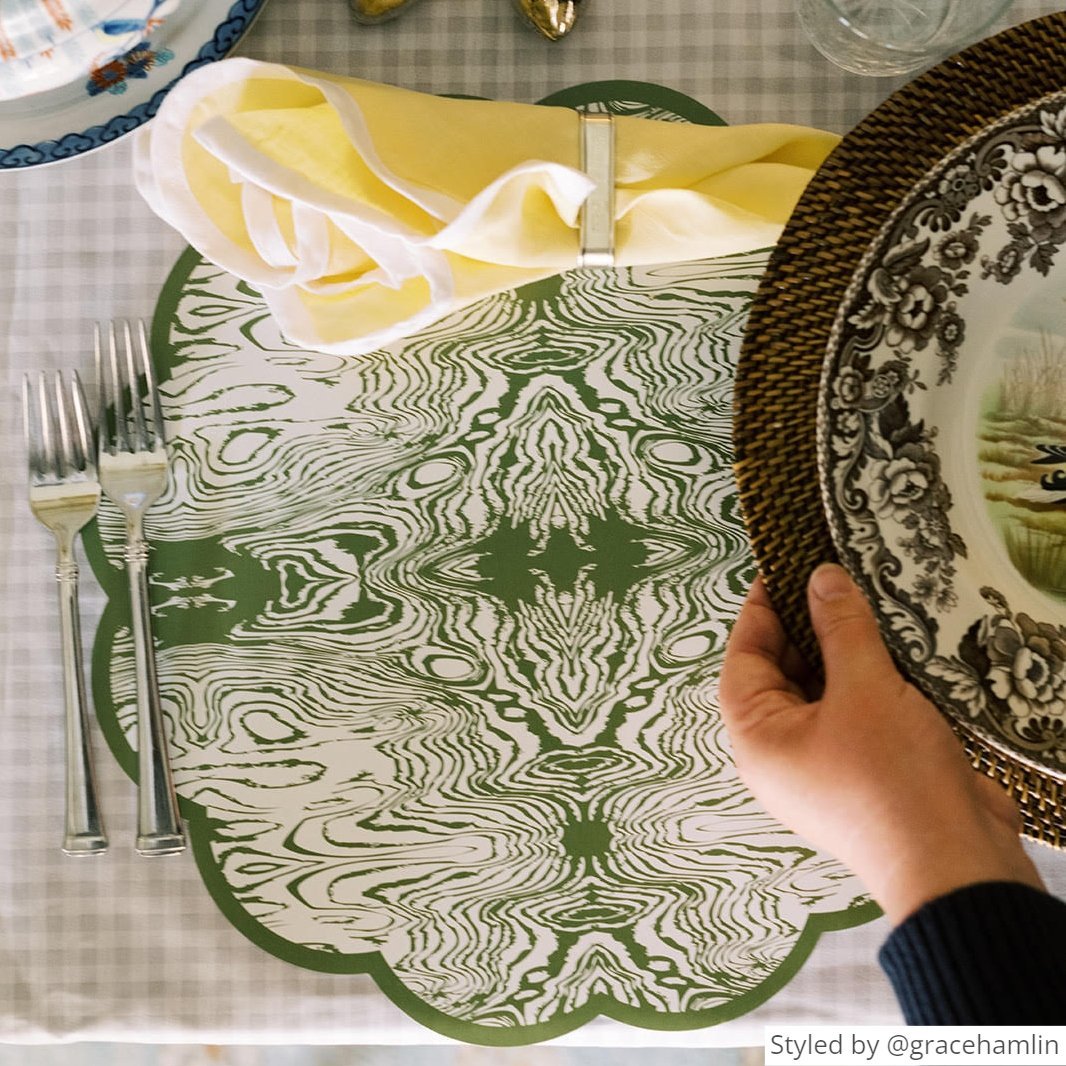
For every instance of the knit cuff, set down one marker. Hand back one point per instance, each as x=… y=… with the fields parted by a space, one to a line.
x=987 y=954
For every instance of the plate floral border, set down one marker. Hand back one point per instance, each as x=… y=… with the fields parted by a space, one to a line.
x=872 y=172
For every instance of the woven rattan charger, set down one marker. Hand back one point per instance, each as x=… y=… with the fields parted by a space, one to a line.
x=777 y=385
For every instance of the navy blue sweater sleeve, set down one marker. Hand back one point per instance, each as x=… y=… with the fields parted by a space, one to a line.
x=986 y=954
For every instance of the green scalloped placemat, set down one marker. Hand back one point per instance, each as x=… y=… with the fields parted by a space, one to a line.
x=439 y=632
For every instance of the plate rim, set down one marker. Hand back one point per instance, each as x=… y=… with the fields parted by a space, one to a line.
x=846 y=307
x=875 y=167
x=226 y=34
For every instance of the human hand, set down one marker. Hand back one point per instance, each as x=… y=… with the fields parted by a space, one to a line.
x=867 y=769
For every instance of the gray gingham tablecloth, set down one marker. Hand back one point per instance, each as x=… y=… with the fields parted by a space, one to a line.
x=127 y=949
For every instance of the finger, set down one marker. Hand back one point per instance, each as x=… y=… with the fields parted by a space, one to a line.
x=853 y=650
x=759 y=599
x=752 y=668
x=793 y=665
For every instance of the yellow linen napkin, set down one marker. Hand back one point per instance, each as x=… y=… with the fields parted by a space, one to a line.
x=364 y=212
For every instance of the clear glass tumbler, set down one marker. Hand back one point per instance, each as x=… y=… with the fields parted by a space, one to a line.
x=883 y=37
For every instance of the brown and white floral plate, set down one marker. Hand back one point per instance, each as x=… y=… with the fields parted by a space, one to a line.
x=942 y=433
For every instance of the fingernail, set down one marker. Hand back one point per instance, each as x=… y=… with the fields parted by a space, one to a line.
x=831 y=582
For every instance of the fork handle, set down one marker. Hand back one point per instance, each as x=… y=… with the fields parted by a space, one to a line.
x=84 y=830
x=159 y=829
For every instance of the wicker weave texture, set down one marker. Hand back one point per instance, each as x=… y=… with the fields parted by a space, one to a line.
x=840 y=214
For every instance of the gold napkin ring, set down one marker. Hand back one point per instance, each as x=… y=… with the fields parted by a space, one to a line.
x=597 y=212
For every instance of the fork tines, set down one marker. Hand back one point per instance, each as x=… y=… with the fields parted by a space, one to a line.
x=63 y=495
x=131 y=417
x=55 y=419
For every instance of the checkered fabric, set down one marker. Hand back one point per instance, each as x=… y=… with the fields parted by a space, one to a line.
x=124 y=948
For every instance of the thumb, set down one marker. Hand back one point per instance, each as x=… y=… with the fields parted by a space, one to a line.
x=852 y=649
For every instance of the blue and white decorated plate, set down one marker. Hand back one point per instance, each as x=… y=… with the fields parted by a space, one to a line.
x=942 y=433
x=126 y=92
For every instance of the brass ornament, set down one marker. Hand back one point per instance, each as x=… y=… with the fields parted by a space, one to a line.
x=371 y=11
x=554 y=19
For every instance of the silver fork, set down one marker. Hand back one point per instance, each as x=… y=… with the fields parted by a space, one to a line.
x=64 y=494
x=133 y=473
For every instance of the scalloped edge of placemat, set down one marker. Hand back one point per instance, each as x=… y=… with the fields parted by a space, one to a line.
x=775 y=400
x=599 y=1005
